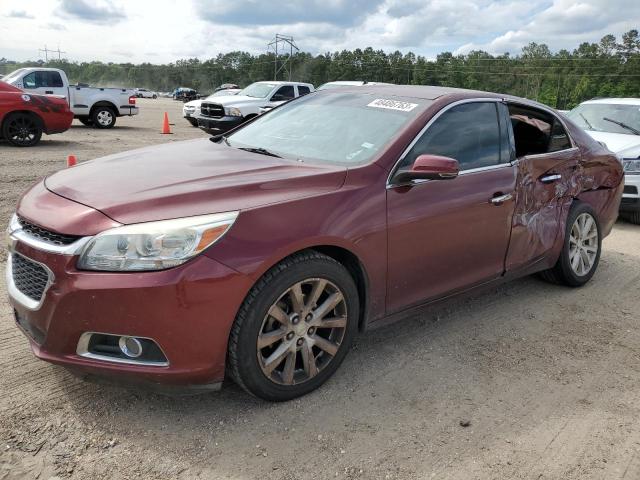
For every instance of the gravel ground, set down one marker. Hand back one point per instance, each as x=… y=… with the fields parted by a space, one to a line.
x=546 y=380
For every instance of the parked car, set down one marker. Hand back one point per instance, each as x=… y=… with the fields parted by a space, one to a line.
x=25 y=117
x=348 y=83
x=192 y=109
x=185 y=94
x=144 y=93
x=616 y=123
x=222 y=114
x=227 y=86
x=262 y=254
x=93 y=106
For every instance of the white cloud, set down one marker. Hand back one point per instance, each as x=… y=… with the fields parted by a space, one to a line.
x=119 y=31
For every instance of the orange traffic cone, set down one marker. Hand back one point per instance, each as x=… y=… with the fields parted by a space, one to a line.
x=71 y=160
x=165 y=125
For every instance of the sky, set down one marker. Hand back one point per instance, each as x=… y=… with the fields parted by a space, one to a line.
x=162 y=31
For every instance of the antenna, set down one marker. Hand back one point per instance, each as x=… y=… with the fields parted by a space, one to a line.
x=284 y=41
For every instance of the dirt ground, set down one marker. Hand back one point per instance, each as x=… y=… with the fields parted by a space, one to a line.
x=548 y=377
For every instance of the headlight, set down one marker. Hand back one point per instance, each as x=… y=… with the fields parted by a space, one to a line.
x=631 y=165
x=235 y=112
x=154 y=245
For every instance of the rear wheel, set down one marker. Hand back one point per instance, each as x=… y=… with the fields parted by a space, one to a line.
x=580 y=254
x=295 y=327
x=22 y=129
x=103 y=117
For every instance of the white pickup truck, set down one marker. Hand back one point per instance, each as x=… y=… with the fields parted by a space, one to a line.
x=93 y=106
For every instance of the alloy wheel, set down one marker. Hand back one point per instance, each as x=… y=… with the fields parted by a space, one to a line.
x=104 y=118
x=22 y=130
x=583 y=244
x=302 y=331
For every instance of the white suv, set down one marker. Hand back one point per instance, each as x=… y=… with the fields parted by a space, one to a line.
x=224 y=113
x=616 y=123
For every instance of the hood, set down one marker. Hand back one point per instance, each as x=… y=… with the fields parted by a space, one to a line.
x=194 y=103
x=619 y=143
x=234 y=100
x=194 y=177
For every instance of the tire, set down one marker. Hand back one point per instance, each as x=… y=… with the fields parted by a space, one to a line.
x=565 y=271
x=86 y=121
x=155 y=97
x=249 y=363
x=192 y=121
x=22 y=129
x=103 y=117
x=633 y=217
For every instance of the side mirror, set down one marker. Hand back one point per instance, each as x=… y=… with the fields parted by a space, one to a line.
x=430 y=167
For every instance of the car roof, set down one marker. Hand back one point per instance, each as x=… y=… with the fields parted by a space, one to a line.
x=614 y=101
x=281 y=82
x=426 y=92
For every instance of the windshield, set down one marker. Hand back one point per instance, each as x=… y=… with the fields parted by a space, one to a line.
x=13 y=75
x=258 y=90
x=607 y=117
x=335 y=128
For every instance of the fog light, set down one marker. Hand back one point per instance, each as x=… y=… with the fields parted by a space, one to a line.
x=130 y=346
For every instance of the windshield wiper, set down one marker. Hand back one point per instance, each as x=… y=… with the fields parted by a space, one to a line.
x=587 y=122
x=262 y=151
x=623 y=125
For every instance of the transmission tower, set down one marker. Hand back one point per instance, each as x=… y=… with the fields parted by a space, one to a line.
x=46 y=52
x=282 y=43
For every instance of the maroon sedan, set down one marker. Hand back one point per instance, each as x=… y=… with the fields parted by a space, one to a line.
x=260 y=255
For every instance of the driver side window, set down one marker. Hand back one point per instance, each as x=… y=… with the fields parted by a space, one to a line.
x=29 y=81
x=469 y=133
x=285 y=92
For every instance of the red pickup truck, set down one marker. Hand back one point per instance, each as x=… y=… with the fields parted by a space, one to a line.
x=25 y=116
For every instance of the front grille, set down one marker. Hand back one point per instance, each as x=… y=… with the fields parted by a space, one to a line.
x=46 y=235
x=630 y=189
x=212 y=110
x=29 y=277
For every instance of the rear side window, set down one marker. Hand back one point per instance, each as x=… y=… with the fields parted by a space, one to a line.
x=302 y=90
x=537 y=132
x=469 y=132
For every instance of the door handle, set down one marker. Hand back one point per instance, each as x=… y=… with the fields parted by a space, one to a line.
x=550 y=178
x=500 y=199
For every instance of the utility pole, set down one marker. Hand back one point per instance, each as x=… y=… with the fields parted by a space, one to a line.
x=59 y=53
x=46 y=52
x=285 y=41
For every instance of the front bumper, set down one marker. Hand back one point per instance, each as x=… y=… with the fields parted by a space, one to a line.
x=631 y=194
x=215 y=126
x=188 y=311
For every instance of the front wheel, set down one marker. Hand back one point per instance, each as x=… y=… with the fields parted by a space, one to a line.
x=294 y=328
x=86 y=121
x=103 y=117
x=22 y=129
x=155 y=96
x=580 y=254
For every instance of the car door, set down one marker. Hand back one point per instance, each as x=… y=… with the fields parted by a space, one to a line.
x=547 y=163
x=447 y=235
x=45 y=82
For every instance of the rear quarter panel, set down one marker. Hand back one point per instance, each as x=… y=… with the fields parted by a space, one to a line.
x=601 y=178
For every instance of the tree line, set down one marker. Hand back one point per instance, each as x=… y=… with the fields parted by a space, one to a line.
x=562 y=79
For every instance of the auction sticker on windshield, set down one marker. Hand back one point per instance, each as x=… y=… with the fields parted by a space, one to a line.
x=392 y=105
